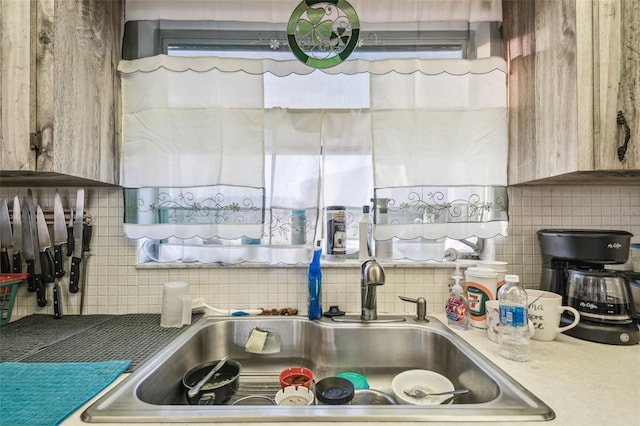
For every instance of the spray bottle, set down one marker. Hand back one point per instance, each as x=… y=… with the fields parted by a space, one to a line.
x=315 y=284
x=457 y=308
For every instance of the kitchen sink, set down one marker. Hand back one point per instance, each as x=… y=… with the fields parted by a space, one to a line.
x=377 y=350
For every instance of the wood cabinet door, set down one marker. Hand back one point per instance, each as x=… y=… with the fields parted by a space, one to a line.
x=617 y=90
x=16 y=86
x=59 y=80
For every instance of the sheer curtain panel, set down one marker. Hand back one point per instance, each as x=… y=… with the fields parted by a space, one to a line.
x=440 y=150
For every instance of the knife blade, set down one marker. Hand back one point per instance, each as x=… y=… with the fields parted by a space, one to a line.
x=76 y=257
x=17 y=236
x=37 y=268
x=6 y=237
x=44 y=241
x=59 y=235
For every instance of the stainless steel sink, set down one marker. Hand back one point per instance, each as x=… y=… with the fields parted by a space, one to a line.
x=378 y=351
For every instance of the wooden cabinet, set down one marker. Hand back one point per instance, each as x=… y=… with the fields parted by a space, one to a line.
x=573 y=66
x=59 y=91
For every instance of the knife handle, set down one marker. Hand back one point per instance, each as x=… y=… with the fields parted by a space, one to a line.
x=47 y=267
x=41 y=291
x=17 y=263
x=57 y=302
x=87 y=230
x=70 y=243
x=5 y=266
x=74 y=274
x=57 y=261
x=31 y=278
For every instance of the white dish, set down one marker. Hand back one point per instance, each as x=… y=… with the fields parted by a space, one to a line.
x=294 y=395
x=426 y=380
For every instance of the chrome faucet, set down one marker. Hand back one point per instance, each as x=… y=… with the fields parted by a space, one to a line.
x=371 y=276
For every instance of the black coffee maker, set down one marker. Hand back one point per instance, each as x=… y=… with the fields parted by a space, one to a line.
x=577 y=264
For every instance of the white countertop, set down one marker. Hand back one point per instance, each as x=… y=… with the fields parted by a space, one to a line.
x=585 y=383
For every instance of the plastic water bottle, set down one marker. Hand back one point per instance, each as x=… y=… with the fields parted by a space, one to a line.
x=514 y=320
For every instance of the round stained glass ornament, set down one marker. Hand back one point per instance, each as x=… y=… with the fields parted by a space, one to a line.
x=323 y=33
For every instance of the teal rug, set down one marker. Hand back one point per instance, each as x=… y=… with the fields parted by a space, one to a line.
x=44 y=394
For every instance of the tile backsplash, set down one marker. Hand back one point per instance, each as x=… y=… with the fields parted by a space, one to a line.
x=116 y=286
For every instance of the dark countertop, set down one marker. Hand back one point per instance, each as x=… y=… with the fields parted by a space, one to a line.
x=85 y=338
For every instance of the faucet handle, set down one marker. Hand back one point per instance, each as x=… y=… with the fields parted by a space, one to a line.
x=421 y=308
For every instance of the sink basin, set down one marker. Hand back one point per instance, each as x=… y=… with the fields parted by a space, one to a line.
x=378 y=351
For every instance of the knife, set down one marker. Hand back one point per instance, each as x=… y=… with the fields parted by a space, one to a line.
x=59 y=235
x=36 y=268
x=6 y=237
x=44 y=241
x=17 y=236
x=76 y=257
x=28 y=249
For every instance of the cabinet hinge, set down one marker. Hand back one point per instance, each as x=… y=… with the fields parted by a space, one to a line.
x=36 y=142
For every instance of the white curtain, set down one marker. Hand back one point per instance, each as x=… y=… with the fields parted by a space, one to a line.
x=440 y=151
x=199 y=145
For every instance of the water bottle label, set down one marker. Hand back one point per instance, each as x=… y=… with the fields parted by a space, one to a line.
x=513 y=316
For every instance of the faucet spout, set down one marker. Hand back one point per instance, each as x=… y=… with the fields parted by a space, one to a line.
x=371 y=276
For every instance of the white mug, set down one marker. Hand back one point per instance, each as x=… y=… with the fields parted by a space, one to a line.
x=176 y=305
x=545 y=308
x=492 y=307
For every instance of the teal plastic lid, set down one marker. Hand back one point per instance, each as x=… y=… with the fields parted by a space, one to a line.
x=358 y=380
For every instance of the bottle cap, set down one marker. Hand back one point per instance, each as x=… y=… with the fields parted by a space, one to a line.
x=512 y=278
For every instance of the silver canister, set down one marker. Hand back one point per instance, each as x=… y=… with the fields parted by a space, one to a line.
x=336 y=233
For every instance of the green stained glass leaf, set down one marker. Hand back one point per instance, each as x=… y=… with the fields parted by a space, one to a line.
x=324 y=29
x=315 y=15
x=304 y=27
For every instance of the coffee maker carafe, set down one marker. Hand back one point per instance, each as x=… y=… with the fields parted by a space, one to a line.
x=577 y=265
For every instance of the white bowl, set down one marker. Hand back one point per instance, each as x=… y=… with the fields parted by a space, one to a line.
x=426 y=380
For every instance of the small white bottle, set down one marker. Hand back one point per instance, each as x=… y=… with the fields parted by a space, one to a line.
x=364 y=235
x=514 y=320
x=384 y=248
x=457 y=308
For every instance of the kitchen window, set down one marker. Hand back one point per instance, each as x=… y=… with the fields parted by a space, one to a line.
x=313 y=133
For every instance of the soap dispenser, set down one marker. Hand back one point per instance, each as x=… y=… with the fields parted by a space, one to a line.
x=315 y=284
x=457 y=308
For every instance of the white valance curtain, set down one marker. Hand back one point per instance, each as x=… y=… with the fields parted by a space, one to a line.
x=198 y=144
x=440 y=152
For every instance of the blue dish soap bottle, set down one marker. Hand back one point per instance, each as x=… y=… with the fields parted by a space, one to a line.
x=315 y=284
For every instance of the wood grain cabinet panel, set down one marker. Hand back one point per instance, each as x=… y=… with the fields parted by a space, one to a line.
x=573 y=66
x=59 y=82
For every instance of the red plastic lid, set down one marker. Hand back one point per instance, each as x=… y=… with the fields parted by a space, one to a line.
x=11 y=278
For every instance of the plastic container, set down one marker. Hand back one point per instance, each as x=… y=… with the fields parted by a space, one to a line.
x=334 y=391
x=457 y=308
x=384 y=248
x=358 y=380
x=497 y=265
x=514 y=320
x=294 y=395
x=296 y=376
x=298 y=227
x=315 y=285
x=481 y=284
x=336 y=233
x=8 y=289
x=364 y=234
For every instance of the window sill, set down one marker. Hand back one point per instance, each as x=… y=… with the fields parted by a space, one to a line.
x=324 y=264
